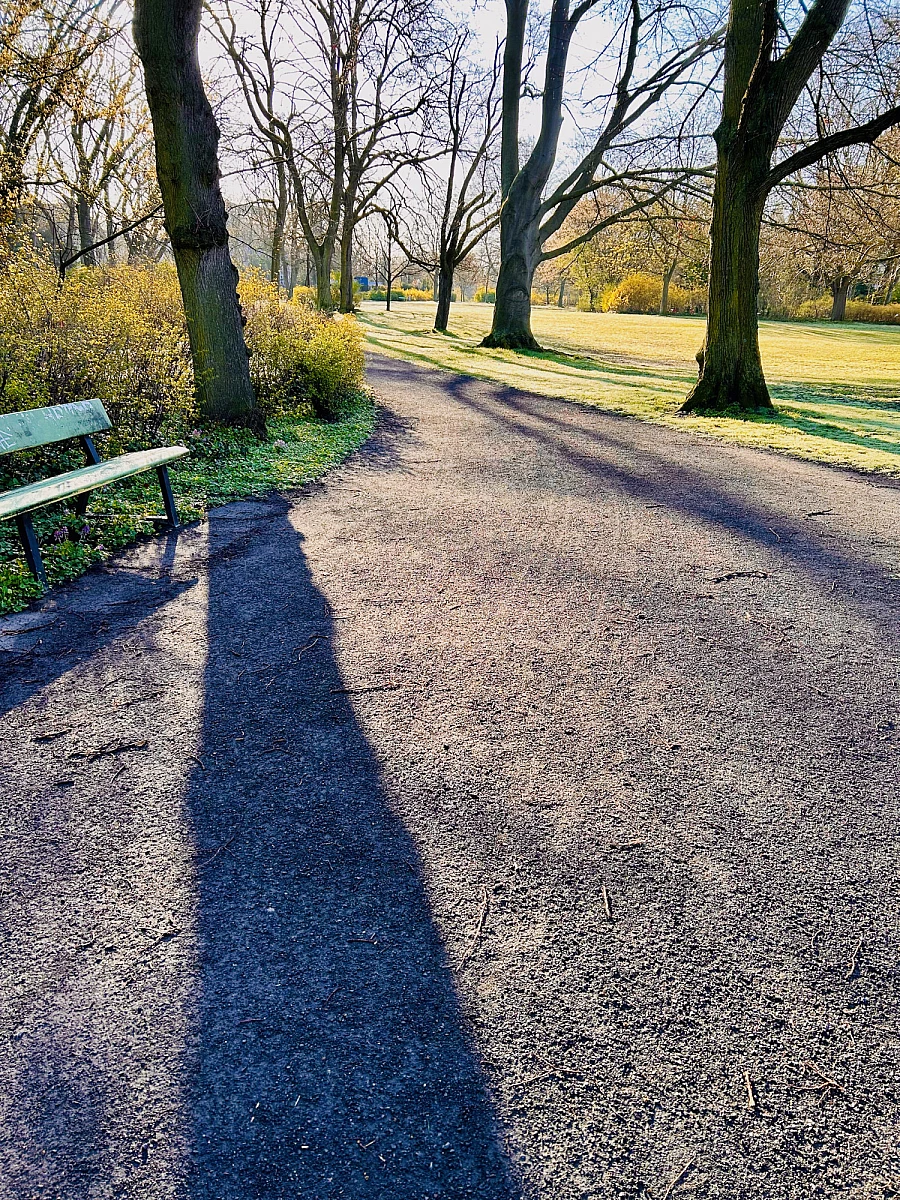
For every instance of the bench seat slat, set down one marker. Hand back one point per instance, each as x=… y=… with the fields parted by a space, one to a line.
x=41 y=426
x=85 y=479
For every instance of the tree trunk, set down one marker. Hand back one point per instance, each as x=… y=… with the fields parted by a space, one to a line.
x=889 y=286
x=839 y=289
x=561 y=298
x=667 y=279
x=186 y=138
x=444 y=293
x=513 y=50
x=321 y=261
x=387 y=304
x=281 y=207
x=731 y=374
x=346 y=257
x=519 y=251
x=85 y=230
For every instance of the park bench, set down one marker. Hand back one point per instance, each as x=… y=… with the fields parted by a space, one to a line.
x=42 y=426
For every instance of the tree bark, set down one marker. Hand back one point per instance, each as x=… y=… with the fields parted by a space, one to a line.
x=513 y=53
x=85 y=230
x=346 y=257
x=186 y=138
x=281 y=207
x=666 y=282
x=444 y=278
x=519 y=257
x=731 y=374
x=561 y=298
x=839 y=289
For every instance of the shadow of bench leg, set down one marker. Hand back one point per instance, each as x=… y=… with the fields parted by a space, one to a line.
x=168 y=498
x=31 y=548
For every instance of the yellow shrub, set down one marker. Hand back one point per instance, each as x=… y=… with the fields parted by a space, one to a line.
x=113 y=332
x=819 y=309
x=814 y=310
x=638 y=293
x=298 y=353
x=119 y=333
x=304 y=295
x=875 y=314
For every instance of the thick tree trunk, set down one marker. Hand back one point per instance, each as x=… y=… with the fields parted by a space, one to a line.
x=731 y=374
x=85 y=230
x=321 y=259
x=839 y=289
x=444 y=293
x=513 y=51
x=519 y=254
x=187 y=137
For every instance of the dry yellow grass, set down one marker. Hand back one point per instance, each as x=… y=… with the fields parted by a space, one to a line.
x=837 y=388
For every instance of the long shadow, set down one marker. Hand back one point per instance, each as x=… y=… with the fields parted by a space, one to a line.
x=330 y=1056
x=661 y=480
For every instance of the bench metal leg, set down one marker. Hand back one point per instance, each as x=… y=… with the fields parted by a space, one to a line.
x=168 y=498
x=31 y=547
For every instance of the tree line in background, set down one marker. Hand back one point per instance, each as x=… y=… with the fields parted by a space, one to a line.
x=737 y=160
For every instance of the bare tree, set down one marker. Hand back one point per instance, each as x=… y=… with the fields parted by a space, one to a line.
x=44 y=46
x=844 y=220
x=531 y=216
x=767 y=70
x=462 y=189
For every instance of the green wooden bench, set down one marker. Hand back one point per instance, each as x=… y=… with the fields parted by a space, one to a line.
x=40 y=427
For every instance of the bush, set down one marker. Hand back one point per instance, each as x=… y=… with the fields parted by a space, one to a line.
x=875 y=314
x=298 y=353
x=304 y=295
x=381 y=294
x=118 y=332
x=819 y=309
x=483 y=296
x=113 y=332
x=638 y=293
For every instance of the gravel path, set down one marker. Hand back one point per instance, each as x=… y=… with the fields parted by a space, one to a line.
x=513 y=814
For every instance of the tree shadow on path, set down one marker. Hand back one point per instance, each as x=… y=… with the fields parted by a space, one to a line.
x=330 y=1057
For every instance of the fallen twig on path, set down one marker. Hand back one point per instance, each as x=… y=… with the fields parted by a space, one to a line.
x=109 y=749
x=752 y=1098
x=853 y=966
x=479 y=928
x=741 y=575
x=679 y=1178
x=607 y=903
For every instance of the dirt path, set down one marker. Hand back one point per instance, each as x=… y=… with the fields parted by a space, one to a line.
x=512 y=815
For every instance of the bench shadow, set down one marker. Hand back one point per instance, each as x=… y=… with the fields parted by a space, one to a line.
x=330 y=1055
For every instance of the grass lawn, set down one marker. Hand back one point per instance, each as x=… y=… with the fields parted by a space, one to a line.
x=837 y=388
x=223 y=466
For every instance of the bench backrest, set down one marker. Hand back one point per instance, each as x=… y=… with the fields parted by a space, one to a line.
x=40 y=426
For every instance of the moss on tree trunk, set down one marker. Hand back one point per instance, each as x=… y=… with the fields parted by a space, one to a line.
x=187 y=138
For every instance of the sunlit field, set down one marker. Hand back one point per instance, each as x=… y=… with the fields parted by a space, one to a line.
x=837 y=388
